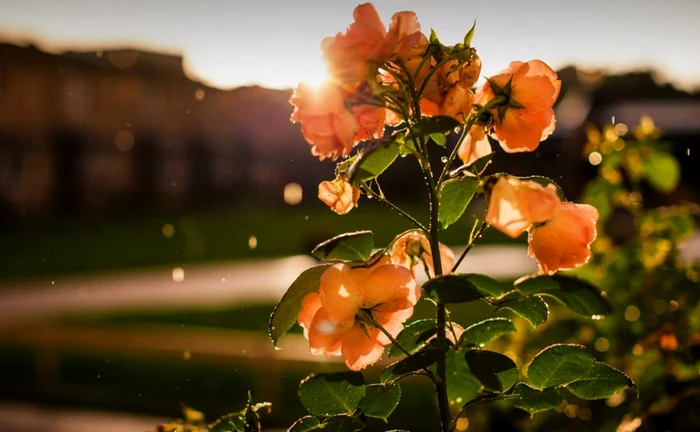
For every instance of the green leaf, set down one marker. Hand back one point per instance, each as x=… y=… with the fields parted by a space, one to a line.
x=494 y=370
x=470 y=35
x=601 y=382
x=576 y=294
x=454 y=197
x=306 y=424
x=373 y=161
x=464 y=287
x=532 y=309
x=599 y=193
x=485 y=331
x=439 y=138
x=544 y=181
x=431 y=125
x=462 y=385
x=332 y=393
x=380 y=401
x=286 y=312
x=534 y=401
x=413 y=363
x=342 y=423
x=413 y=336
x=662 y=171
x=355 y=246
x=559 y=365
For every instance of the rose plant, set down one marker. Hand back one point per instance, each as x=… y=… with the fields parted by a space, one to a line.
x=397 y=92
x=394 y=93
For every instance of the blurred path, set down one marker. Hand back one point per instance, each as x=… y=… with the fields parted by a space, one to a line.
x=245 y=283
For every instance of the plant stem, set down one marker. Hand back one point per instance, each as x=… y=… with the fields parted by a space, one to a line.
x=472 y=241
x=478 y=400
x=440 y=381
x=379 y=197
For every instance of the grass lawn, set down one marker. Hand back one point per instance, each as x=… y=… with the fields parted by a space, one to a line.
x=32 y=250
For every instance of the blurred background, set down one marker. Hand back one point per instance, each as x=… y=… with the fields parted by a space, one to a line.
x=155 y=200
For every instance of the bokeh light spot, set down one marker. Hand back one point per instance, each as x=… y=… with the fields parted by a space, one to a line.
x=293 y=193
x=124 y=140
x=168 y=230
x=178 y=274
x=632 y=313
x=595 y=158
x=253 y=242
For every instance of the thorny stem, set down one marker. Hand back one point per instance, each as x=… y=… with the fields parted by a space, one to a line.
x=367 y=316
x=440 y=380
x=472 y=241
x=465 y=131
x=403 y=213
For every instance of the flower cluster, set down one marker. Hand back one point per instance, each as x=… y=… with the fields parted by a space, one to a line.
x=560 y=233
x=384 y=83
x=343 y=318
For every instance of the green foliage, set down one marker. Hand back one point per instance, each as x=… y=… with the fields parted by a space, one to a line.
x=332 y=393
x=414 y=336
x=356 y=246
x=415 y=362
x=341 y=423
x=495 y=371
x=287 y=310
x=532 y=309
x=576 y=294
x=478 y=166
x=460 y=288
x=559 y=365
x=428 y=126
x=601 y=381
x=662 y=171
x=534 y=401
x=485 y=331
x=381 y=400
x=372 y=161
x=462 y=385
x=455 y=195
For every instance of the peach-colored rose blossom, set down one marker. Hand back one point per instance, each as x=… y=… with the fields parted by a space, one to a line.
x=339 y=195
x=563 y=242
x=449 y=90
x=371 y=120
x=326 y=123
x=475 y=145
x=516 y=204
x=331 y=321
x=412 y=246
x=535 y=86
x=367 y=40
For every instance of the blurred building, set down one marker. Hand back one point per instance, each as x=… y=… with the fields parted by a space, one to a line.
x=126 y=130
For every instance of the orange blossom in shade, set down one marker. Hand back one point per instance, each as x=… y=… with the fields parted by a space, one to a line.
x=412 y=246
x=332 y=318
x=474 y=146
x=367 y=40
x=563 y=242
x=515 y=204
x=526 y=117
x=339 y=195
x=326 y=123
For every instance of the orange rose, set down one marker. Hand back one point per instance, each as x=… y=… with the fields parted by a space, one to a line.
x=325 y=121
x=516 y=204
x=529 y=117
x=367 y=40
x=449 y=90
x=339 y=195
x=474 y=146
x=331 y=318
x=563 y=242
x=412 y=246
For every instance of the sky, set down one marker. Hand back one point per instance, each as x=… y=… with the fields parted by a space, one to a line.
x=276 y=43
